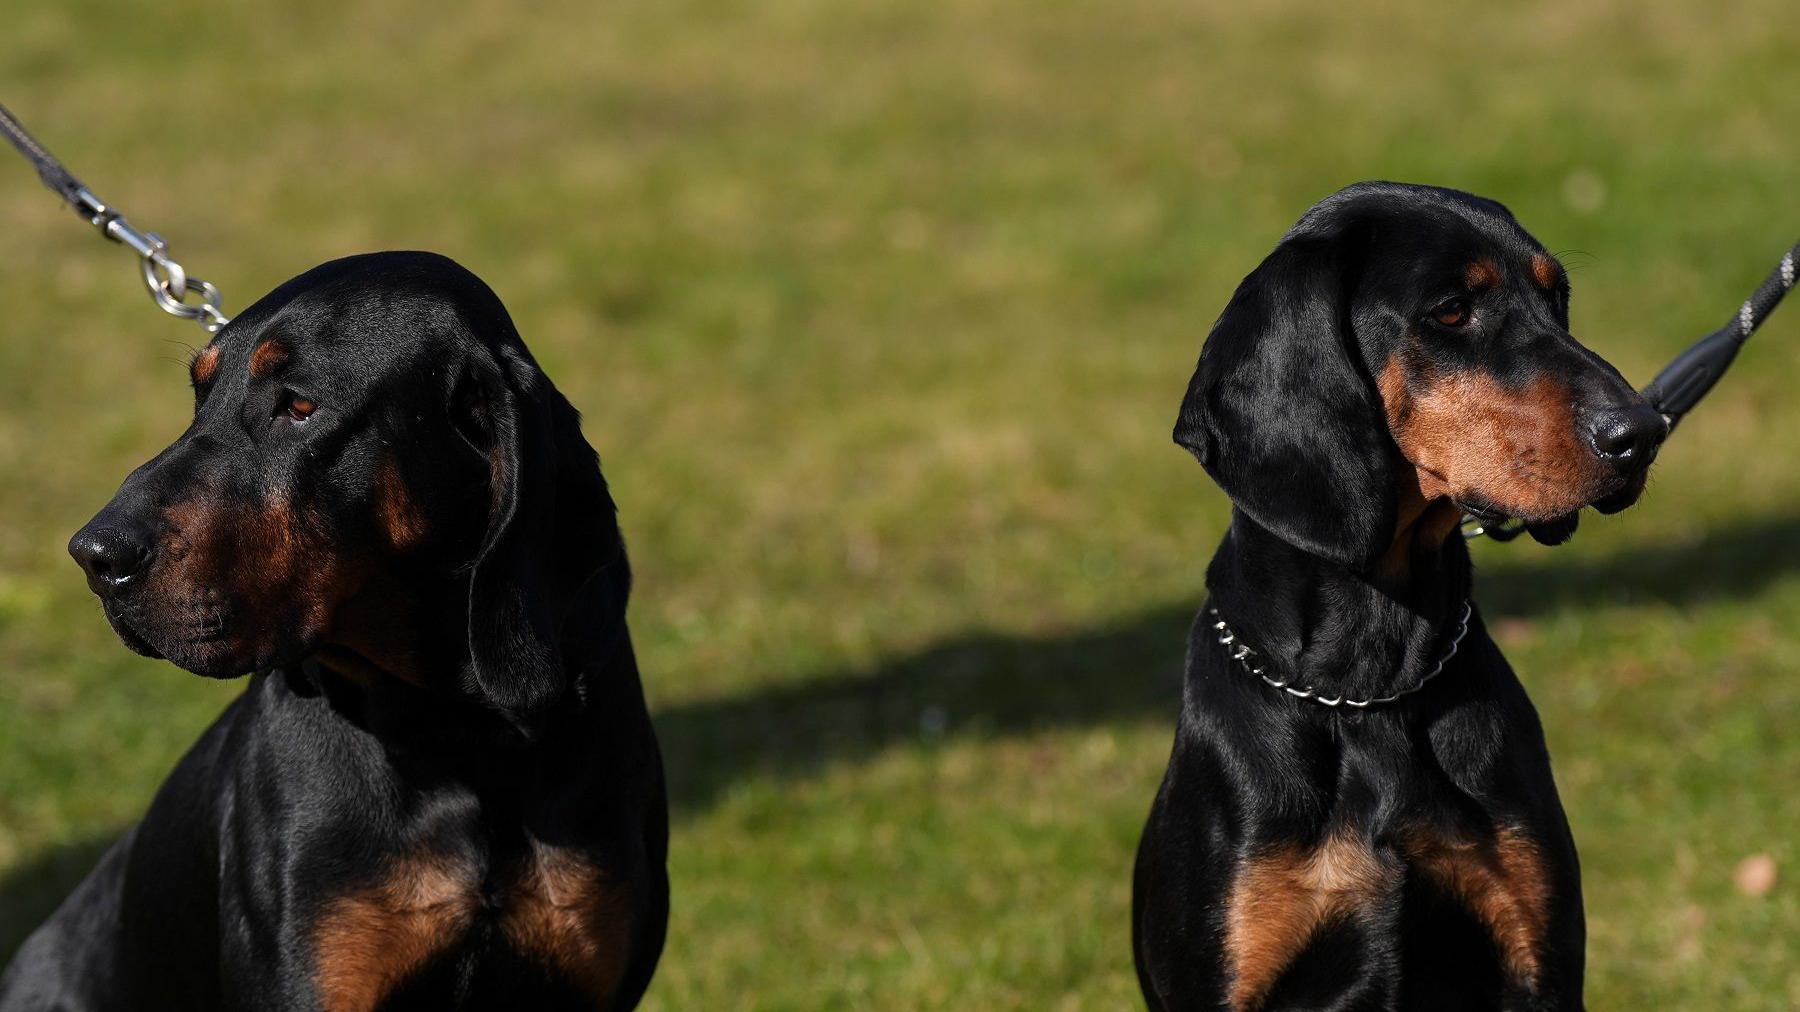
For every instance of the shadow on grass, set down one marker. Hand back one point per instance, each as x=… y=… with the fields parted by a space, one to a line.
x=1728 y=563
x=1001 y=685
x=31 y=891
x=981 y=684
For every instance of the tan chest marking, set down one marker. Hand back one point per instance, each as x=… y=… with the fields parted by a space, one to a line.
x=555 y=907
x=571 y=916
x=1280 y=898
x=367 y=942
x=1502 y=882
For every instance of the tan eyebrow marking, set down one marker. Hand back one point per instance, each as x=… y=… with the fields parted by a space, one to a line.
x=1545 y=270
x=268 y=357
x=204 y=364
x=1482 y=275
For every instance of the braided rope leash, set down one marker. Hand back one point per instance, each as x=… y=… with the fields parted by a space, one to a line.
x=1241 y=653
x=1684 y=381
x=1756 y=308
x=175 y=291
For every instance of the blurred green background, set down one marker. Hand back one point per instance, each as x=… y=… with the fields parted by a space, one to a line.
x=879 y=312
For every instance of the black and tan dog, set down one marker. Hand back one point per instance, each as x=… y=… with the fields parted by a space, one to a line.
x=1403 y=354
x=440 y=788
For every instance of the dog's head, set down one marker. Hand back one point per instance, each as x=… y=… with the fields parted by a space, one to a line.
x=1407 y=348
x=376 y=472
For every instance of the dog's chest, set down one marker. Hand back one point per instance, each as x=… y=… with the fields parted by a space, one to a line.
x=1279 y=899
x=552 y=907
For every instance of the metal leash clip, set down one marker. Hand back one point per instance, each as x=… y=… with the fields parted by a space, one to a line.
x=174 y=290
x=171 y=287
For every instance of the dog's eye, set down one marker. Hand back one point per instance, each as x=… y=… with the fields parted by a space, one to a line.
x=1451 y=312
x=296 y=408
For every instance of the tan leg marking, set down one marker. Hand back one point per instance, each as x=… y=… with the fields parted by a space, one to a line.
x=555 y=907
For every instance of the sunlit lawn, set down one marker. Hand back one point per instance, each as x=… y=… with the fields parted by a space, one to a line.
x=879 y=313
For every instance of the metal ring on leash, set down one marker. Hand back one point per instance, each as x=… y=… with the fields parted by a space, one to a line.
x=170 y=286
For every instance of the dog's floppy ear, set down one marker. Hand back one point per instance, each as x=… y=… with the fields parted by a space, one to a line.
x=1281 y=410
x=551 y=525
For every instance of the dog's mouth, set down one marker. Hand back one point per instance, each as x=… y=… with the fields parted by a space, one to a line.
x=1625 y=497
x=133 y=640
x=1558 y=528
x=201 y=645
x=1549 y=531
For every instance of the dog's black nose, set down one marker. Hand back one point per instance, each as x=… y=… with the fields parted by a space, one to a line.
x=112 y=554
x=1627 y=438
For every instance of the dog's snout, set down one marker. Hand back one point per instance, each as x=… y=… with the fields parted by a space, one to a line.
x=111 y=553
x=1628 y=437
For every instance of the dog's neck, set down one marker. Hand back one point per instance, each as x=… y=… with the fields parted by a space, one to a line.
x=1321 y=624
x=426 y=701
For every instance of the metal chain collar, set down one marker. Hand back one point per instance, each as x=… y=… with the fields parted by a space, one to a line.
x=1246 y=657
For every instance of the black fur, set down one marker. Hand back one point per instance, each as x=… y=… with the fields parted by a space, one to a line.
x=517 y=728
x=1285 y=414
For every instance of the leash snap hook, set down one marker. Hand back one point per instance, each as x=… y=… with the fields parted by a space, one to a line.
x=170 y=285
x=166 y=274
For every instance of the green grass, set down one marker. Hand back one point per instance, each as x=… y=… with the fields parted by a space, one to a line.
x=879 y=313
